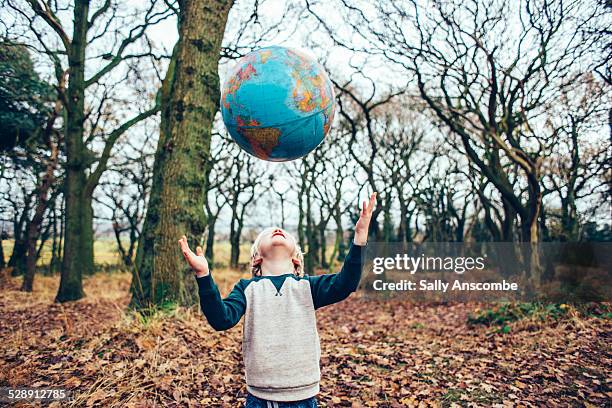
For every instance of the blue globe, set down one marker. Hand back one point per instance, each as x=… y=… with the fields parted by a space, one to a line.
x=277 y=103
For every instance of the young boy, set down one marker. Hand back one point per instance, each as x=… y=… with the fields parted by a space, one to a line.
x=281 y=349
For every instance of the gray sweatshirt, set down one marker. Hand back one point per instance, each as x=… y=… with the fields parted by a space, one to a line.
x=280 y=346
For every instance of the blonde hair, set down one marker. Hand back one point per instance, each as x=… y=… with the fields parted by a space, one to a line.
x=297 y=253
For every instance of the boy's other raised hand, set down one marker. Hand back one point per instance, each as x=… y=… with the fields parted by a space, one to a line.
x=197 y=261
x=363 y=224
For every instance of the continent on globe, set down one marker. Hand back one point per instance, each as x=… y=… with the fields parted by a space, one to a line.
x=277 y=103
x=262 y=140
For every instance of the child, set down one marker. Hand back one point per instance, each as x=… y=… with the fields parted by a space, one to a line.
x=281 y=349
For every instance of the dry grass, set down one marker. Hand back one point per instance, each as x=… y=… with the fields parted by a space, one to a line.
x=106 y=252
x=374 y=353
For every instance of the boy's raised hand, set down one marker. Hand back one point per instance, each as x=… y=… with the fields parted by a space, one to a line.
x=197 y=261
x=363 y=224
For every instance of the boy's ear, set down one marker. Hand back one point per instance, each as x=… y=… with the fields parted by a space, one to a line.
x=296 y=262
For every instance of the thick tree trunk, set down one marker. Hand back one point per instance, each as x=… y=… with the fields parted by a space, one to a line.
x=75 y=260
x=60 y=244
x=88 y=235
x=532 y=232
x=190 y=100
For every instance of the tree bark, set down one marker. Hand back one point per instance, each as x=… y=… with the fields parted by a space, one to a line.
x=234 y=238
x=210 y=240
x=2 y=261
x=54 y=244
x=190 y=100
x=34 y=228
x=74 y=261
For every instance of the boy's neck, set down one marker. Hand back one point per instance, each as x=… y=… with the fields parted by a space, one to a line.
x=276 y=267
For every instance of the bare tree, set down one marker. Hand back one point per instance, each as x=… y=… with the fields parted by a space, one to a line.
x=358 y=114
x=244 y=179
x=108 y=34
x=576 y=169
x=125 y=194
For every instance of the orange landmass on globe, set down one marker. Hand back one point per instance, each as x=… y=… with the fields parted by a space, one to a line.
x=241 y=122
x=329 y=118
x=264 y=55
x=309 y=91
x=262 y=140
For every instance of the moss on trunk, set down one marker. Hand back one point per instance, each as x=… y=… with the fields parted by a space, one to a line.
x=190 y=100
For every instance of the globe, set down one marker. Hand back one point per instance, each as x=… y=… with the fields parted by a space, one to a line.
x=277 y=103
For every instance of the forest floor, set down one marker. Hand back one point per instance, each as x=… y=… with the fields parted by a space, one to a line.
x=374 y=353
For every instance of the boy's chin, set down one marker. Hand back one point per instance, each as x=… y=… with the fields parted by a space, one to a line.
x=280 y=249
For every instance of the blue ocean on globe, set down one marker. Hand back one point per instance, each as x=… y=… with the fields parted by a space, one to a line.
x=277 y=103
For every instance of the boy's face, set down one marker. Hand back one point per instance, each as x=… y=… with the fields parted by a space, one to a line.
x=276 y=242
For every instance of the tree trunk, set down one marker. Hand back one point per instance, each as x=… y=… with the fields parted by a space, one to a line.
x=18 y=257
x=311 y=235
x=387 y=221
x=282 y=208
x=339 y=250
x=190 y=100
x=2 y=261
x=323 y=241
x=54 y=244
x=60 y=244
x=300 y=226
x=88 y=235
x=34 y=228
x=535 y=201
x=233 y=227
x=74 y=260
x=401 y=228
x=20 y=246
x=129 y=258
x=236 y=244
x=210 y=240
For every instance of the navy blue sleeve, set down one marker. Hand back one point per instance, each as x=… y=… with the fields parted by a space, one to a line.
x=334 y=287
x=222 y=314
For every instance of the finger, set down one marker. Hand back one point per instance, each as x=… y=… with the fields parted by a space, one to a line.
x=372 y=202
x=199 y=251
x=185 y=247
